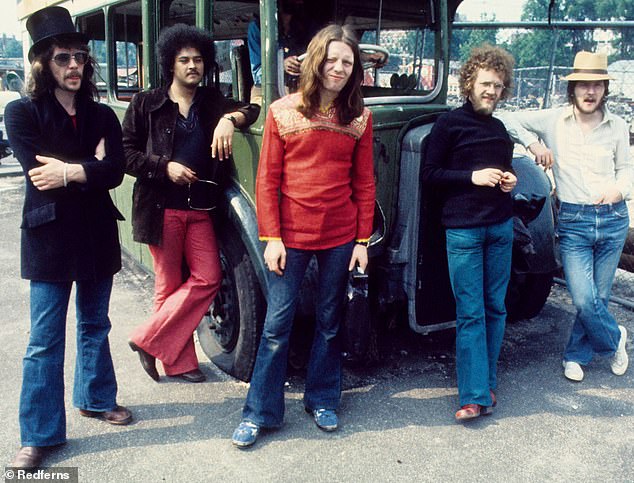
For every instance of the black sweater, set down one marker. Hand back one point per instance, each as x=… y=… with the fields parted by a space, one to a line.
x=463 y=141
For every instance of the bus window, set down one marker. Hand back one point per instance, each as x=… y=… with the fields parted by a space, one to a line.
x=94 y=26
x=229 y=65
x=411 y=65
x=232 y=71
x=126 y=19
x=408 y=31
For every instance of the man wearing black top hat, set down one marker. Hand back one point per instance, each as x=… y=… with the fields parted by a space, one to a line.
x=70 y=149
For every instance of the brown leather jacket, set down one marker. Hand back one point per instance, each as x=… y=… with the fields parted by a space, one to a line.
x=148 y=138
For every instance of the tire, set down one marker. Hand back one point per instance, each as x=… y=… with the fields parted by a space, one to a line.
x=229 y=333
x=527 y=295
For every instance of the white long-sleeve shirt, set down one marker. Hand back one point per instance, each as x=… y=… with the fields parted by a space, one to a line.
x=586 y=165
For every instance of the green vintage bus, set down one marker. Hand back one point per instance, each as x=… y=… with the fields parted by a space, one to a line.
x=408 y=278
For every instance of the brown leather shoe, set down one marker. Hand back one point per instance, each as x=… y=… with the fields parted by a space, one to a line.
x=468 y=411
x=29 y=457
x=192 y=376
x=147 y=361
x=119 y=415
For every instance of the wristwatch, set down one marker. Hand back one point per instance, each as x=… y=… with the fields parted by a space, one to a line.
x=233 y=120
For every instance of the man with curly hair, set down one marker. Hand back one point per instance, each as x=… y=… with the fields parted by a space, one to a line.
x=468 y=159
x=177 y=140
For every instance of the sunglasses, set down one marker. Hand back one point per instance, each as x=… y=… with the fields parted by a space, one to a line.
x=63 y=59
x=202 y=195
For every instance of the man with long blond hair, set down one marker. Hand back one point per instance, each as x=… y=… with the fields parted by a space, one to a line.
x=468 y=158
x=315 y=197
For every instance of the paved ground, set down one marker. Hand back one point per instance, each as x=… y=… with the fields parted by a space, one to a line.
x=396 y=418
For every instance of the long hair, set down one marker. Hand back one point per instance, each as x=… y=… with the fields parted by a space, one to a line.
x=570 y=91
x=177 y=37
x=41 y=81
x=349 y=102
x=487 y=57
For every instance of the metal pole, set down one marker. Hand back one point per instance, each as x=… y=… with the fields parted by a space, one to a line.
x=549 y=78
x=378 y=40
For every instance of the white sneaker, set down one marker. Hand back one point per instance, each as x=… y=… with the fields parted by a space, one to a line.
x=620 y=360
x=573 y=371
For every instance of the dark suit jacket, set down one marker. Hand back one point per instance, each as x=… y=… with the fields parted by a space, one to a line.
x=68 y=233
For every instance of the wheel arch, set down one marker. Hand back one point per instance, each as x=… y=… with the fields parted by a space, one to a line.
x=239 y=210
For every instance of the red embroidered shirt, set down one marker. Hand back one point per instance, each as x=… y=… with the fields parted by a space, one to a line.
x=315 y=182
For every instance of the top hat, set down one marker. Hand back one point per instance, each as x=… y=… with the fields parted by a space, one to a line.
x=49 y=23
x=589 y=66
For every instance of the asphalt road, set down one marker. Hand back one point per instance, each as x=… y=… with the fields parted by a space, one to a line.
x=396 y=417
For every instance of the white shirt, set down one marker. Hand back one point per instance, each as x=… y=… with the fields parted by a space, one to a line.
x=586 y=165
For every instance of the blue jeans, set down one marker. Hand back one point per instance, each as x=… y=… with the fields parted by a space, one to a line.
x=265 y=401
x=591 y=238
x=42 y=412
x=479 y=270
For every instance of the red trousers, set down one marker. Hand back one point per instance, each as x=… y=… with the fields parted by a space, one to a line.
x=179 y=306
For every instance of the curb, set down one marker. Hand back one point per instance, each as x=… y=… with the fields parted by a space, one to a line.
x=9 y=166
x=10 y=171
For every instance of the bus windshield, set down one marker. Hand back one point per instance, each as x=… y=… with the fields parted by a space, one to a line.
x=406 y=30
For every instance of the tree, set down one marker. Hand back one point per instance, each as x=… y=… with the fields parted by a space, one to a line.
x=463 y=40
x=531 y=48
x=10 y=47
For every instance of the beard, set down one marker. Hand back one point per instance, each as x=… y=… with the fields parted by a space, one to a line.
x=75 y=77
x=480 y=107
x=585 y=109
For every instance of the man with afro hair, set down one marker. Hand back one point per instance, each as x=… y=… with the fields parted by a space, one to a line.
x=177 y=140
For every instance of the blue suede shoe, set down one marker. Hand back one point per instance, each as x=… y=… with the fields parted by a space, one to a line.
x=325 y=419
x=245 y=434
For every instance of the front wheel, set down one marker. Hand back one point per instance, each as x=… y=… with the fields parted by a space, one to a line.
x=229 y=333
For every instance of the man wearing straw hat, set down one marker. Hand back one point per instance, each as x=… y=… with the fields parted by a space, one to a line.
x=70 y=149
x=588 y=149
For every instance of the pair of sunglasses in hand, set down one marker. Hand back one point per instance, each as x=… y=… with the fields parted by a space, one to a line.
x=202 y=195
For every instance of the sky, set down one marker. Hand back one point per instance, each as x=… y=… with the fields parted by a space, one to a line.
x=9 y=19
x=505 y=10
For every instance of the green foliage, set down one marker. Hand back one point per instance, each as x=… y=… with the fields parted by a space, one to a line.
x=476 y=38
x=10 y=47
x=462 y=41
x=532 y=48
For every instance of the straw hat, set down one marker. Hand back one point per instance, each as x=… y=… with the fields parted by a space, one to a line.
x=49 y=23
x=589 y=66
